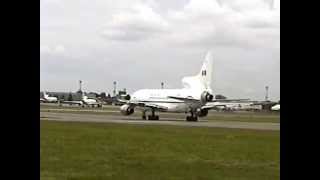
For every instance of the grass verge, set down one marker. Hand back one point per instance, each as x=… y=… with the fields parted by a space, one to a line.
x=72 y=150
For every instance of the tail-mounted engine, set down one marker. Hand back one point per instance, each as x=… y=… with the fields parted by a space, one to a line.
x=126 y=109
x=206 y=97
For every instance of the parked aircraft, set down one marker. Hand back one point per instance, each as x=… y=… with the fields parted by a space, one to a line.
x=85 y=101
x=48 y=99
x=236 y=106
x=193 y=98
x=276 y=107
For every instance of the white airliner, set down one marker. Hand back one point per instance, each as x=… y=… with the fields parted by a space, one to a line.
x=84 y=101
x=90 y=101
x=193 y=98
x=276 y=107
x=236 y=106
x=48 y=99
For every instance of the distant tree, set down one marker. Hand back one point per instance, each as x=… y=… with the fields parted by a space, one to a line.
x=122 y=92
x=70 y=97
x=103 y=95
x=93 y=94
x=79 y=92
x=219 y=96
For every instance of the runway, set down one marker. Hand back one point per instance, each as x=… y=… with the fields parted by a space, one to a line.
x=163 y=121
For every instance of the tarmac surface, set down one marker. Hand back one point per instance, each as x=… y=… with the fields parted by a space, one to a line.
x=55 y=116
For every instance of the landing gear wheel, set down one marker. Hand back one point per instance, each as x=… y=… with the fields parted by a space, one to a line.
x=144 y=117
x=195 y=118
x=192 y=118
x=153 y=117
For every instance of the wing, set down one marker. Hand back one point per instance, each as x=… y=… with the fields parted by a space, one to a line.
x=188 y=99
x=209 y=106
x=72 y=102
x=230 y=100
x=145 y=105
x=155 y=106
x=185 y=99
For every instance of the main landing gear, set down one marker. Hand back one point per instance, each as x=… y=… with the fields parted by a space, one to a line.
x=150 y=117
x=193 y=117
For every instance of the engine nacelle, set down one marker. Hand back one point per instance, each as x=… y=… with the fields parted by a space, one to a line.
x=126 y=109
x=206 y=97
x=127 y=97
x=202 y=112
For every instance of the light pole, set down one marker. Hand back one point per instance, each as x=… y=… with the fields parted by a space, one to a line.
x=267 y=93
x=80 y=88
x=114 y=88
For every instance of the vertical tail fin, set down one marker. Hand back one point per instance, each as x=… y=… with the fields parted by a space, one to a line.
x=206 y=71
x=45 y=94
x=84 y=97
x=202 y=80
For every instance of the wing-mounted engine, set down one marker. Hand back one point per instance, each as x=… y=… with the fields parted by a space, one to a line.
x=202 y=112
x=206 y=97
x=127 y=97
x=126 y=109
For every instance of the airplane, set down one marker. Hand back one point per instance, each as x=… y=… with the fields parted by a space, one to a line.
x=90 y=101
x=276 y=107
x=193 y=98
x=48 y=99
x=84 y=101
x=230 y=106
x=240 y=105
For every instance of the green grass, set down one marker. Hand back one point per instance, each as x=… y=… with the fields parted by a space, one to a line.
x=72 y=150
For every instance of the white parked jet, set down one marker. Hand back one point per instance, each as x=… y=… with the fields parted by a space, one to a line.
x=276 y=107
x=84 y=101
x=48 y=99
x=90 y=101
x=192 y=98
x=236 y=106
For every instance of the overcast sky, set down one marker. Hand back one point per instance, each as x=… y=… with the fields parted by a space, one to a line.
x=140 y=43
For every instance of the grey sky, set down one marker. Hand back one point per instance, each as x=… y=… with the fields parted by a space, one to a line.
x=140 y=43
